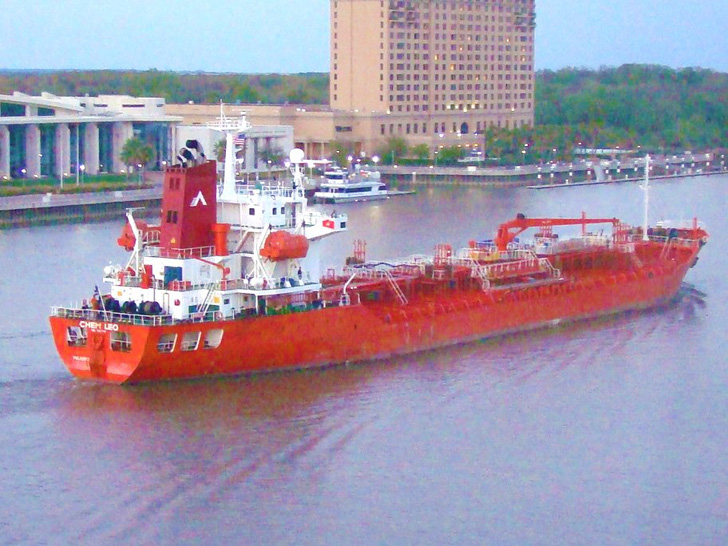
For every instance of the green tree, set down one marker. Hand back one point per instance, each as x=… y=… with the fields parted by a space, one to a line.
x=449 y=155
x=394 y=148
x=271 y=156
x=421 y=152
x=218 y=150
x=339 y=152
x=137 y=153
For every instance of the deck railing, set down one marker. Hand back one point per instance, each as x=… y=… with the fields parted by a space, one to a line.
x=111 y=316
x=179 y=253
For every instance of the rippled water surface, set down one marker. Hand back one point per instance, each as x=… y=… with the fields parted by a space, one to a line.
x=607 y=432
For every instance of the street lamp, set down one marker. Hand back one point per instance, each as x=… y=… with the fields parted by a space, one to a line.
x=82 y=168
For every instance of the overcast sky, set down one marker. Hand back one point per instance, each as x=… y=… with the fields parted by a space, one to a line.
x=254 y=36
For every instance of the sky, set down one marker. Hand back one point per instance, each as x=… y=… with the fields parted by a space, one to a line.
x=289 y=36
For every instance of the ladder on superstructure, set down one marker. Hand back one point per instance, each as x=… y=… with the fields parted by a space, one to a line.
x=205 y=305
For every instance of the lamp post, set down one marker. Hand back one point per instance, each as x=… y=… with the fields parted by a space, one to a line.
x=82 y=168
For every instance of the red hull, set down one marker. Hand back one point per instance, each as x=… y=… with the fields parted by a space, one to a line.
x=374 y=330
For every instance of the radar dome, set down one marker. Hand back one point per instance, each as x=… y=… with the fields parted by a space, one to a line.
x=296 y=155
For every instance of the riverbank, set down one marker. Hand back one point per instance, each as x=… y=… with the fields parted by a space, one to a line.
x=548 y=186
x=50 y=208
x=552 y=174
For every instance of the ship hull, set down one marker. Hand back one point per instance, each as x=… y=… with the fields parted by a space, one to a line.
x=369 y=331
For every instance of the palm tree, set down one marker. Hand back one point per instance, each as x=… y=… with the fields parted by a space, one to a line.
x=136 y=152
x=271 y=155
x=219 y=150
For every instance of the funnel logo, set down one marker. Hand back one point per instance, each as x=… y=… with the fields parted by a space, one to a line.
x=199 y=198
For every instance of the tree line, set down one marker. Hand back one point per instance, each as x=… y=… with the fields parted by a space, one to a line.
x=632 y=106
x=654 y=107
x=174 y=87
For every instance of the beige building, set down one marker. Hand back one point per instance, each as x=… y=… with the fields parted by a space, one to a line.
x=437 y=72
x=435 y=66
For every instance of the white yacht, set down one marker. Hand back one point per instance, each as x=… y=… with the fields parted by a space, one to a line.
x=341 y=186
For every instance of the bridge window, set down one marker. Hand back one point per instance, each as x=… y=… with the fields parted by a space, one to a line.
x=166 y=343
x=213 y=338
x=190 y=341
x=120 y=342
x=76 y=336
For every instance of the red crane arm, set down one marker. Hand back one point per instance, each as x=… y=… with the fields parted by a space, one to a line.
x=521 y=224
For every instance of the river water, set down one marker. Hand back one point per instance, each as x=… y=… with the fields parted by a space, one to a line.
x=607 y=432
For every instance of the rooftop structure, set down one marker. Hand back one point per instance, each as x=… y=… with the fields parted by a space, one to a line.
x=48 y=135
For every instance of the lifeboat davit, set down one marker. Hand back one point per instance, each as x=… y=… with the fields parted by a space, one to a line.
x=149 y=234
x=281 y=245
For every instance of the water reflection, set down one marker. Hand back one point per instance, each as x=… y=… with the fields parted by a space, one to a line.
x=612 y=429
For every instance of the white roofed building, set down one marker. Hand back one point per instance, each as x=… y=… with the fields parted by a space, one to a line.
x=51 y=136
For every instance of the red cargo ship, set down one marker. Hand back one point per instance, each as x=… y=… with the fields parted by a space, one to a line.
x=227 y=284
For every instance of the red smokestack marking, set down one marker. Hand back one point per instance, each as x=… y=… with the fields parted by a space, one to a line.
x=189 y=207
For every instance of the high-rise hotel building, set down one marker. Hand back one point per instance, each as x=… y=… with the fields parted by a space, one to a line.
x=434 y=72
x=434 y=68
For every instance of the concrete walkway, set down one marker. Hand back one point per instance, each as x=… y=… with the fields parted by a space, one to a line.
x=52 y=200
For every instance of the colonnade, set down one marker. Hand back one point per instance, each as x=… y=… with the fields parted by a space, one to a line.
x=74 y=146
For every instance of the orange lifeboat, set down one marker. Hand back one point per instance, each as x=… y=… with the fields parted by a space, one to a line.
x=148 y=233
x=281 y=245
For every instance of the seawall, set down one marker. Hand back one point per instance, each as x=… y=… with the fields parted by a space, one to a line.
x=51 y=208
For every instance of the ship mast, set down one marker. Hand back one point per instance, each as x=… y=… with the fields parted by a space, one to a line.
x=231 y=127
x=646 y=188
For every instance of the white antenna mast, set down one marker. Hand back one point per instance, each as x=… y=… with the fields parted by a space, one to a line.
x=231 y=127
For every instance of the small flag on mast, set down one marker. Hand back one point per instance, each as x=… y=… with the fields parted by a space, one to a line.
x=239 y=139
